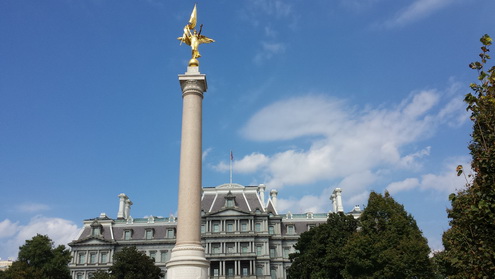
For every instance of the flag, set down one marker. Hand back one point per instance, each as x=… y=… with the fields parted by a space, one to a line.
x=193 y=19
x=231 y=156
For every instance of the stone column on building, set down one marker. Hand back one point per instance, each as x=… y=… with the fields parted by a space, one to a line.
x=261 y=189
x=273 y=196
x=334 y=203
x=338 y=197
x=188 y=256
x=122 y=199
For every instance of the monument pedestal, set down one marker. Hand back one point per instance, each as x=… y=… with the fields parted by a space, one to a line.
x=187 y=260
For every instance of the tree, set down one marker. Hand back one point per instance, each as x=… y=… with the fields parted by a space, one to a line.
x=469 y=243
x=388 y=244
x=320 y=249
x=131 y=264
x=38 y=259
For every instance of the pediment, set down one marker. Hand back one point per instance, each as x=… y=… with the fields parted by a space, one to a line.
x=230 y=212
x=92 y=240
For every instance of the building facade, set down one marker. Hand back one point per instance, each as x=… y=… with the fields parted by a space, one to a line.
x=243 y=235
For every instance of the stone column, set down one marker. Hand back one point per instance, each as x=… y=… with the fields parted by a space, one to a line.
x=338 y=196
x=188 y=256
x=122 y=199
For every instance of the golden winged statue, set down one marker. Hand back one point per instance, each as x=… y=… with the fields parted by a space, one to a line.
x=194 y=38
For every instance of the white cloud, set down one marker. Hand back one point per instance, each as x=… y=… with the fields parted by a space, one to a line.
x=61 y=231
x=206 y=152
x=352 y=148
x=417 y=10
x=32 y=207
x=445 y=182
x=7 y=228
x=248 y=164
x=268 y=50
x=345 y=142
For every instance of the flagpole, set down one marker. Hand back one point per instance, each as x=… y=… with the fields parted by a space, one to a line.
x=231 y=159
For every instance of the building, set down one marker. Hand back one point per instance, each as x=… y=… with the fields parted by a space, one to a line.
x=244 y=236
x=5 y=264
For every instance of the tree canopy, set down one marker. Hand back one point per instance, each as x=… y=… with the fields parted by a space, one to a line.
x=320 y=249
x=388 y=244
x=38 y=258
x=129 y=263
x=469 y=243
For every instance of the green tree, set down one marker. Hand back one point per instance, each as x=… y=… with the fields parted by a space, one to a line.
x=38 y=259
x=469 y=243
x=320 y=249
x=388 y=244
x=131 y=264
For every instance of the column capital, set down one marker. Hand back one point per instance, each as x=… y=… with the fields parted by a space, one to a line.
x=193 y=82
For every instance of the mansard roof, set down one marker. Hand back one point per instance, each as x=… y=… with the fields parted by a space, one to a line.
x=246 y=198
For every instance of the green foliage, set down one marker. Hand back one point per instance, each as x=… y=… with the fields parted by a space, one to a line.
x=320 y=249
x=131 y=264
x=38 y=259
x=469 y=243
x=389 y=244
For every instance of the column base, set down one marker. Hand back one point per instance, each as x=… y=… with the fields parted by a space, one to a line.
x=188 y=262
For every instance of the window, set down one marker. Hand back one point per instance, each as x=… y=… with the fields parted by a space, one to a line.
x=244 y=226
x=215 y=248
x=104 y=257
x=170 y=233
x=80 y=276
x=258 y=227
x=163 y=256
x=153 y=255
x=149 y=234
x=290 y=229
x=92 y=258
x=244 y=247
x=286 y=252
x=127 y=235
x=230 y=271
x=230 y=248
x=230 y=226
x=216 y=226
x=311 y=226
x=82 y=258
x=273 y=252
x=259 y=270
x=273 y=273
x=230 y=203
x=203 y=228
x=271 y=230
x=259 y=250
x=245 y=271
x=96 y=231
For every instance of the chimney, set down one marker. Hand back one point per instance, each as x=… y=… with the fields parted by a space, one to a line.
x=261 y=189
x=121 y=213
x=338 y=196
x=273 y=195
x=334 y=203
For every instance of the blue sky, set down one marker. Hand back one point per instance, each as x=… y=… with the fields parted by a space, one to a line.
x=309 y=95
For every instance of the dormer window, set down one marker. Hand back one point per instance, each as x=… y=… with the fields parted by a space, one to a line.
x=229 y=200
x=127 y=234
x=149 y=233
x=96 y=228
x=290 y=229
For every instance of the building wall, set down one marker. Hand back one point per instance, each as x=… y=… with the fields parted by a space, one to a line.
x=243 y=236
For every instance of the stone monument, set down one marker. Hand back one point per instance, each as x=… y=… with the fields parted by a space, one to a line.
x=187 y=259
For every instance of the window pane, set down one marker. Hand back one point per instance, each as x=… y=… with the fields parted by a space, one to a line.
x=104 y=258
x=82 y=258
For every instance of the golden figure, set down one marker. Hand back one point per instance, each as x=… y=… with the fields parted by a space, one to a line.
x=194 y=38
